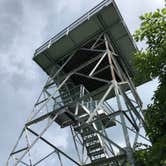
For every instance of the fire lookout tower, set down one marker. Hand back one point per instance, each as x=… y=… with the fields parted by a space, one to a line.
x=89 y=90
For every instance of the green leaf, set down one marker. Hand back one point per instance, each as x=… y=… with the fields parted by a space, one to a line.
x=151 y=62
x=163 y=11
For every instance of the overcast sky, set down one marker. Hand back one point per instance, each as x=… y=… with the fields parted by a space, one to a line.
x=24 y=26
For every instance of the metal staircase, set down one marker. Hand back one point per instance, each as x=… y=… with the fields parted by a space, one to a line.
x=95 y=146
x=93 y=143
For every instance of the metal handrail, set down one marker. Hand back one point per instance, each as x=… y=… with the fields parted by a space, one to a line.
x=73 y=26
x=65 y=99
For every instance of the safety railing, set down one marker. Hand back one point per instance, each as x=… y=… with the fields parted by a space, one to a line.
x=73 y=25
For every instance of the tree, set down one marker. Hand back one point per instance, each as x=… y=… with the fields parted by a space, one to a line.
x=151 y=63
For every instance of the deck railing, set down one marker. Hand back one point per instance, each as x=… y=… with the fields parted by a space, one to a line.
x=73 y=26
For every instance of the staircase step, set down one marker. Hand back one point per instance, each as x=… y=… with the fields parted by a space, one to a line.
x=91 y=139
x=106 y=161
x=96 y=153
x=101 y=161
x=88 y=133
x=94 y=146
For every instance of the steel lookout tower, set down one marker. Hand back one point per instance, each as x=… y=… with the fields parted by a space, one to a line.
x=90 y=93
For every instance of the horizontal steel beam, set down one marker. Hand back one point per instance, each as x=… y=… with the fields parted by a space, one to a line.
x=53 y=146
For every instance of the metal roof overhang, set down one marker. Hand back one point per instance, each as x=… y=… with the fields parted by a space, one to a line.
x=105 y=17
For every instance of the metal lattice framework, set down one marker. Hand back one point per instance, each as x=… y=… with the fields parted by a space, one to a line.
x=105 y=132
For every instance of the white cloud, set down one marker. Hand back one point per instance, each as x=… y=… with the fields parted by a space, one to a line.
x=131 y=10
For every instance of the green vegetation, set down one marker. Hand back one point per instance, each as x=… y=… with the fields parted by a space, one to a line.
x=151 y=63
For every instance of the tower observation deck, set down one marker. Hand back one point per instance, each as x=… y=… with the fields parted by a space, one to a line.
x=89 y=90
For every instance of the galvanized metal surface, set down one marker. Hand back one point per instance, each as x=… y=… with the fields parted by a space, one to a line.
x=104 y=18
x=90 y=118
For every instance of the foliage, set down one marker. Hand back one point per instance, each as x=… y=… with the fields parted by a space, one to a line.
x=152 y=156
x=141 y=157
x=151 y=63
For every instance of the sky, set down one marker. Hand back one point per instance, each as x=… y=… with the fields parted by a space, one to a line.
x=24 y=26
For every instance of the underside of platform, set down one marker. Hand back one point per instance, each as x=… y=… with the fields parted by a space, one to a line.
x=104 y=18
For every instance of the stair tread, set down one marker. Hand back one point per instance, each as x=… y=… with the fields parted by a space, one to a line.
x=94 y=146
x=90 y=139
x=96 y=153
x=86 y=133
x=105 y=161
